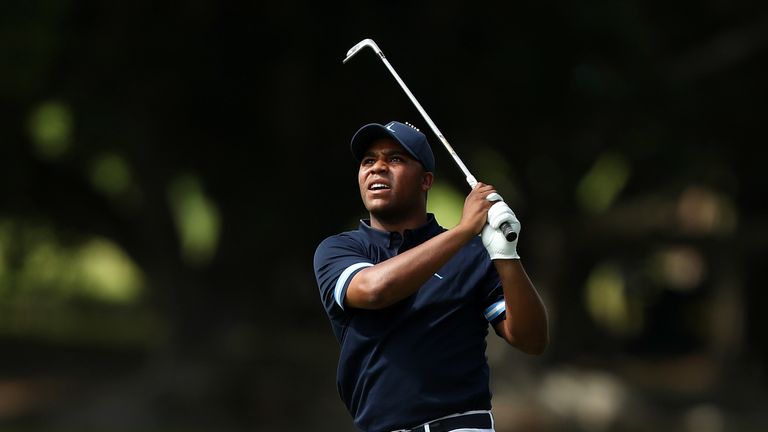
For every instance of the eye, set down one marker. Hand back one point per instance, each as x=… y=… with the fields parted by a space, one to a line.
x=396 y=159
x=368 y=161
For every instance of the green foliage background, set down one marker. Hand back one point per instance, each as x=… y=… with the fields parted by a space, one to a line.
x=168 y=169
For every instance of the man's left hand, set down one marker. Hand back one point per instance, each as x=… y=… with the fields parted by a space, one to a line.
x=495 y=243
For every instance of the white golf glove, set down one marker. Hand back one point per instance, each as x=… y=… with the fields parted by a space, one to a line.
x=495 y=243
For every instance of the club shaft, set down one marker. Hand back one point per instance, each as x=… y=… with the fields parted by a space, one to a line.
x=505 y=228
x=470 y=178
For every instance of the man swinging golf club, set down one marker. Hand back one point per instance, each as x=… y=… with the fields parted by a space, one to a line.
x=410 y=301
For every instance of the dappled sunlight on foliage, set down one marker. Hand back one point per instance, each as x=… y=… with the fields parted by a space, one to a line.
x=703 y=211
x=601 y=185
x=609 y=302
x=36 y=263
x=446 y=203
x=197 y=220
x=51 y=127
x=111 y=175
x=54 y=287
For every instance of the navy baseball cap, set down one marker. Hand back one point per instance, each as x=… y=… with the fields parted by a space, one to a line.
x=406 y=135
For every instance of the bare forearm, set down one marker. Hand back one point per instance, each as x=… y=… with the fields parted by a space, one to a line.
x=399 y=277
x=525 y=326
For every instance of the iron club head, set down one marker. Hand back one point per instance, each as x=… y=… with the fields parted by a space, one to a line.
x=360 y=45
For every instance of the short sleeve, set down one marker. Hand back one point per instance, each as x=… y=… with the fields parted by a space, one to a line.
x=337 y=260
x=494 y=307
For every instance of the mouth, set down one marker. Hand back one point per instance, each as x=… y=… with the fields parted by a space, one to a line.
x=378 y=186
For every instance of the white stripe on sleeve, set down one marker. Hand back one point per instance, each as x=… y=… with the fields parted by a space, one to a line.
x=343 y=280
x=494 y=310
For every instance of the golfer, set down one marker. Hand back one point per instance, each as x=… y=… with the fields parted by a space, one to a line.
x=410 y=302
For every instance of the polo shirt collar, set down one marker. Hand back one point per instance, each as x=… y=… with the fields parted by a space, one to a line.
x=393 y=239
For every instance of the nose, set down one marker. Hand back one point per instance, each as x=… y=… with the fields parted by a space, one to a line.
x=379 y=166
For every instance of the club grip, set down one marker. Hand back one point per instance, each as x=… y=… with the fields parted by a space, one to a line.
x=508 y=231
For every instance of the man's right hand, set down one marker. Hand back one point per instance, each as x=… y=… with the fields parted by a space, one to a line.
x=476 y=207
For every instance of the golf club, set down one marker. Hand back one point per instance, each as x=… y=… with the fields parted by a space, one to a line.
x=506 y=228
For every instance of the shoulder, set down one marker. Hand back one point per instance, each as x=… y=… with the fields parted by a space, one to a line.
x=343 y=241
x=354 y=236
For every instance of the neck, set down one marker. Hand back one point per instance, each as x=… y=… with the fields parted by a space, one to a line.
x=399 y=224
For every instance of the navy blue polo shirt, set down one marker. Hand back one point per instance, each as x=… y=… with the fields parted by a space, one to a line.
x=423 y=357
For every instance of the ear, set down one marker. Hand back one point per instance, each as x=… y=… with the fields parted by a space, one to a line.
x=426 y=181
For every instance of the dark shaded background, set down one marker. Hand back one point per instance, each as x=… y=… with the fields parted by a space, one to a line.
x=168 y=169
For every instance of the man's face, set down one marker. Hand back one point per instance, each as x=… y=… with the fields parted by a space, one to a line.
x=392 y=183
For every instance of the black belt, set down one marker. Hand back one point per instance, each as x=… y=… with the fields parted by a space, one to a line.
x=468 y=421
